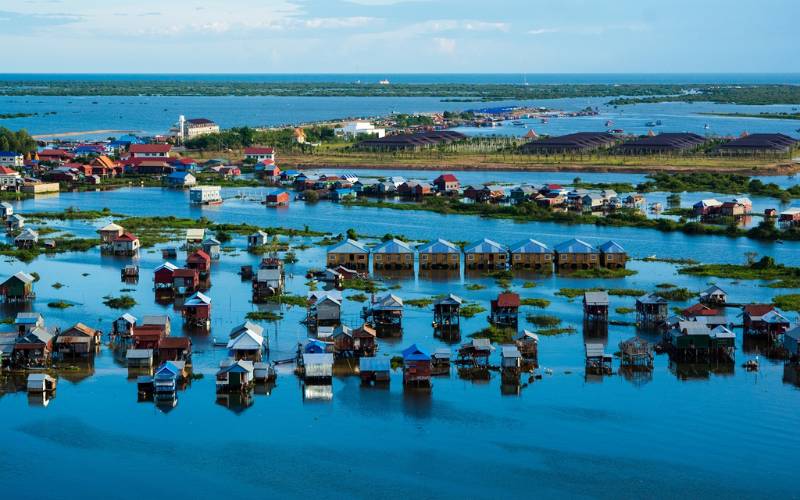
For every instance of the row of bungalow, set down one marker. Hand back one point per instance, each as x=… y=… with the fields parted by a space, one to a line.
x=483 y=254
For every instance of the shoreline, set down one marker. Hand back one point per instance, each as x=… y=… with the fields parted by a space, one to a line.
x=83 y=132
x=780 y=169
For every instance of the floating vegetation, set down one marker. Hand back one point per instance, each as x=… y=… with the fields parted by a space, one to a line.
x=676 y=294
x=474 y=286
x=624 y=310
x=666 y=285
x=60 y=304
x=57 y=285
x=790 y=302
x=289 y=258
x=263 y=316
x=529 y=284
x=572 y=293
x=543 y=320
x=601 y=273
x=288 y=299
x=121 y=302
x=357 y=297
x=361 y=284
x=550 y=332
x=764 y=269
x=421 y=303
x=535 y=302
x=471 y=309
x=495 y=334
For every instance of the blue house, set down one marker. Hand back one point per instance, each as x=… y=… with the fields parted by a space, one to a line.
x=340 y=194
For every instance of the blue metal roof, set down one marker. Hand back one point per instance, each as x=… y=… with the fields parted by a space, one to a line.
x=393 y=246
x=348 y=246
x=574 y=246
x=611 y=246
x=415 y=353
x=485 y=246
x=529 y=246
x=439 y=246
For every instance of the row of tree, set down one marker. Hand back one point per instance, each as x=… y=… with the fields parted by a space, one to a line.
x=18 y=142
x=242 y=137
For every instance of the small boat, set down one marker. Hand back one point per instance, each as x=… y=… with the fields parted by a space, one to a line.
x=609 y=123
x=658 y=122
x=706 y=126
x=617 y=131
x=219 y=343
x=751 y=365
x=518 y=123
x=650 y=124
x=544 y=120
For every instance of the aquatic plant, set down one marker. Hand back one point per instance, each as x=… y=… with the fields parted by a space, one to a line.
x=676 y=294
x=60 y=304
x=121 y=302
x=601 y=273
x=543 y=320
x=469 y=310
x=495 y=334
x=624 y=310
x=535 y=302
x=790 y=302
x=421 y=303
x=572 y=293
x=474 y=286
x=357 y=297
x=263 y=316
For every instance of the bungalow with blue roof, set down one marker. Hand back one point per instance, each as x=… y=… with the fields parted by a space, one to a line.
x=612 y=255
x=181 y=180
x=439 y=254
x=416 y=367
x=341 y=194
x=393 y=254
x=531 y=254
x=486 y=254
x=350 y=254
x=576 y=254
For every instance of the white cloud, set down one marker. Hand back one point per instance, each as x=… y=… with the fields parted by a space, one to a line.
x=590 y=29
x=445 y=45
x=338 y=22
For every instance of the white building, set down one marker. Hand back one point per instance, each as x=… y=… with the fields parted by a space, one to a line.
x=205 y=195
x=11 y=159
x=354 y=129
x=259 y=154
x=194 y=127
x=9 y=178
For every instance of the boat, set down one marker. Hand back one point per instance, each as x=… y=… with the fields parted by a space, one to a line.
x=544 y=120
x=609 y=123
x=617 y=131
x=650 y=124
x=706 y=126
x=518 y=123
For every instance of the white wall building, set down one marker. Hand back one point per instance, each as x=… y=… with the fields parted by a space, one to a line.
x=353 y=129
x=11 y=159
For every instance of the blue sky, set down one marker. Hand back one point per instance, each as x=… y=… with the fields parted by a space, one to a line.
x=400 y=36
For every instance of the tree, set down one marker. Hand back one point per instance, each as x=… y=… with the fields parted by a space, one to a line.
x=352 y=234
x=310 y=196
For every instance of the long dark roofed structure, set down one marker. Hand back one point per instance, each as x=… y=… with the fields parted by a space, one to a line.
x=759 y=143
x=668 y=142
x=413 y=141
x=580 y=142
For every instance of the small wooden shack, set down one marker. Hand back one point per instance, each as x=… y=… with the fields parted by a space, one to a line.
x=197 y=311
x=77 y=341
x=713 y=296
x=374 y=370
x=139 y=358
x=416 y=367
x=651 y=310
x=18 y=288
x=317 y=367
x=595 y=306
x=528 y=344
x=764 y=320
x=385 y=312
x=636 y=354
x=175 y=349
x=365 y=340
x=440 y=361
x=125 y=244
x=446 y=313
x=40 y=382
x=247 y=345
x=597 y=361
x=324 y=308
x=612 y=255
x=212 y=247
x=393 y=254
x=504 y=311
x=235 y=376
x=474 y=355
x=531 y=254
x=576 y=254
x=200 y=261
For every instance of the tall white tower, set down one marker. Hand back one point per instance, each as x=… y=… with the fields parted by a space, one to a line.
x=182 y=128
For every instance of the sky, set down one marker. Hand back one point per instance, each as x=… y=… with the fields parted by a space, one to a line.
x=400 y=36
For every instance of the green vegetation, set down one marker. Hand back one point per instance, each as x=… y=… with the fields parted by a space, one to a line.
x=624 y=310
x=470 y=309
x=535 y=302
x=288 y=299
x=263 y=316
x=357 y=297
x=71 y=213
x=764 y=269
x=121 y=302
x=474 y=286
x=362 y=284
x=495 y=334
x=550 y=332
x=676 y=294
x=529 y=284
x=62 y=245
x=242 y=137
x=543 y=320
x=601 y=273
x=421 y=303
x=396 y=362
x=572 y=293
x=625 y=93
x=8 y=116
x=57 y=285
x=19 y=142
x=789 y=302
x=666 y=285
x=716 y=182
x=60 y=304
x=766 y=115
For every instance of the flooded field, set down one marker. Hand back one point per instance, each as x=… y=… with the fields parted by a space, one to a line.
x=702 y=429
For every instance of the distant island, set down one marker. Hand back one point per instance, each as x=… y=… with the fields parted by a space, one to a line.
x=619 y=94
x=768 y=116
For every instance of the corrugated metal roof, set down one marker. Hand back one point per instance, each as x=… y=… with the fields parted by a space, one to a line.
x=596 y=298
x=485 y=246
x=393 y=246
x=594 y=350
x=348 y=246
x=373 y=364
x=611 y=246
x=574 y=246
x=529 y=246
x=439 y=246
x=510 y=351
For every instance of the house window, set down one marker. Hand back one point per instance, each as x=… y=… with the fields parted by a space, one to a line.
x=378 y=257
x=593 y=257
x=470 y=257
x=547 y=256
x=610 y=258
x=423 y=257
x=563 y=258
x=517 y=256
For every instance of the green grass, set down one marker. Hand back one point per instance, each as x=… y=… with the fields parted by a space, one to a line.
x=357 y=297
x=474 y=286
x=624 y=310
x=421 y=303
x=288 y=299
x=550 y=332
x=666 y=285
x=361 y=284
x=765 y=269
x=529 y=284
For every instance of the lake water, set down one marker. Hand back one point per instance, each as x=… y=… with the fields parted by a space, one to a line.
x=687 y=430
x=150 y=115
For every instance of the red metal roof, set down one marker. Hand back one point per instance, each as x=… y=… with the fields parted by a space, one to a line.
x=508 y=299
x=199 y=255
x=758 y=309
x=175 y=343
x=7 y=171
x=446 y=178
x=126 y=237
x=701 y=310
x=258 y=150
x=184 y=273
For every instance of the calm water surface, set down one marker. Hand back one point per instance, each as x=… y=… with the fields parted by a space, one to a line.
x=687 y=430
